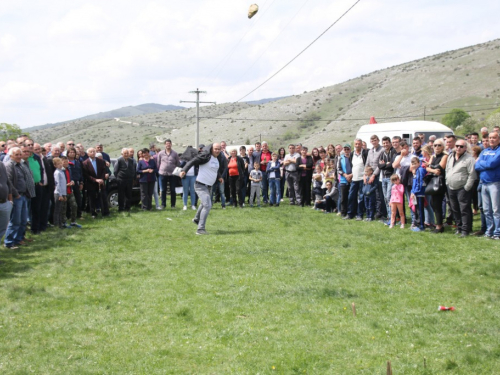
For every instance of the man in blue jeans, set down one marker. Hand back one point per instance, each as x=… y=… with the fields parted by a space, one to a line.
x=358 y=158
x=17 y=176
x=488 y=167
x=385 y=161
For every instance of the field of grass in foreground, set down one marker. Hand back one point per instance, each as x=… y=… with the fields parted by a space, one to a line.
x=268 y=291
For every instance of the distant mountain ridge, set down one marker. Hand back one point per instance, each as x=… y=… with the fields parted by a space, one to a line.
x=128 y=111
x=427 y=88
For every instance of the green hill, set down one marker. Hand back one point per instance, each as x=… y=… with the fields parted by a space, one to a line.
x=468 y=78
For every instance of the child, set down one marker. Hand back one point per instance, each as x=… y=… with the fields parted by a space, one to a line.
x=70 y=197
x=60 y=193
x=256 y=178
x=397 y=200
x=274 y=178
x=369 y=193
x=317 y=185
x=417 y=197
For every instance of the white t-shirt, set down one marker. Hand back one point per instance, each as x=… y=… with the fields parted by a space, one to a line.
x=405 y=162
x=358 y=168
x=272 y=174
x=207 y=173
x=291 y=167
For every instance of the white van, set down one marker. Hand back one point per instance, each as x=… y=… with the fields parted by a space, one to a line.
x=406 y=130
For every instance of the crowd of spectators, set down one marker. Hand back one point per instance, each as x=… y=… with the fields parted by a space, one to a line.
x=432 y=182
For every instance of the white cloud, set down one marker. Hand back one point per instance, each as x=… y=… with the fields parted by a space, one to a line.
x=74 y=58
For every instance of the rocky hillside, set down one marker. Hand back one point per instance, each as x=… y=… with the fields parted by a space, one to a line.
x=468 y=78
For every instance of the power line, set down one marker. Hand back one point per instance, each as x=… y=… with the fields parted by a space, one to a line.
x=270 y=44
x=301 y=52
x=334 y=120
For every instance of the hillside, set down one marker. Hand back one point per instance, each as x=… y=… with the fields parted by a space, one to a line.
x=467 y=78
x=128 y=111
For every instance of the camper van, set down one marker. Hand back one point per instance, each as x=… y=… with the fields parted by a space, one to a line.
x=406 y=130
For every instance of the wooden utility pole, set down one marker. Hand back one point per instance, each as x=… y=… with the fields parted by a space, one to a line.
x=197 y=135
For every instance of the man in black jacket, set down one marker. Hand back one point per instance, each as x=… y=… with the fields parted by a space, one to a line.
x=210 y=170
x=124 y=172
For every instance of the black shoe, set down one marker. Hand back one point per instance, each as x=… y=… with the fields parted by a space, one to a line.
x=195 y=221
x=440 y=230
x=464 y=234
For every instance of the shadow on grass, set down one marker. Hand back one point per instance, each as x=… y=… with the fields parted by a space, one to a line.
x=13 y=262
x=233 y=231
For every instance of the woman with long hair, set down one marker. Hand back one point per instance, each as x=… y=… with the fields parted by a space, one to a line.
x=315 y=155
x=330 y=151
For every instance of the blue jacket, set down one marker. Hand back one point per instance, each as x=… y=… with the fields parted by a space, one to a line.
x=369 y=189
x=488 y=165
x=418 y=187
x=276 y=169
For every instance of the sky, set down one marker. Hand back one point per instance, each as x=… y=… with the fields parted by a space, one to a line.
x=61 y=60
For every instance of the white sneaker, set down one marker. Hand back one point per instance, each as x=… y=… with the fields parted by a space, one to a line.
x=193 y=208
x=184 y=208
x=158 y=208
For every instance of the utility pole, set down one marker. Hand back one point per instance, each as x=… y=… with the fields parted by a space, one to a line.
x=197 y=135
x=424 y=112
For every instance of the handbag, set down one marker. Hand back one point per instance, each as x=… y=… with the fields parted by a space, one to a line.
x=435 y=186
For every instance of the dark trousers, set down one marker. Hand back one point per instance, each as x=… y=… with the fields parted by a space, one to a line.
x=44 y=206
x=305 y=190
x=124 y=194
x=460 y=203
x=380 y=206
x=327 y=205
x=36 y=212
x=355 y=209
x=97 y=198
x=147 y=189
x=234 y=184
x=370 y=204
x=437 y=207
x=172 y=182
x=344 y=198
x=265 y=187
x=78 y=197
x=419 y=216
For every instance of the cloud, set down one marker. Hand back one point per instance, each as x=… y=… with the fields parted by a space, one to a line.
x=89 y=20
x=76 y=58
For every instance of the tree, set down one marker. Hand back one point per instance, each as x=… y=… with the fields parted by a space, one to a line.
x=8 y=131
x=455 y=118
x=493 y=119
x=468 y=126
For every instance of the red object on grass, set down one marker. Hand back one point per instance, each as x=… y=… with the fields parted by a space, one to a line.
x=372 y=120
x=444 y=308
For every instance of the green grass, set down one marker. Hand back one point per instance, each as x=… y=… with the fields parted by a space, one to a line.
x=269 y=291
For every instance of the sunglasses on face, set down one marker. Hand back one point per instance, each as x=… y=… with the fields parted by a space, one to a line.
x=459 y=146
x=438 y=145
x=71 y=144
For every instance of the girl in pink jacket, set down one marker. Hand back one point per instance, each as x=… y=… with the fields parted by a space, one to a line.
x=397 y=200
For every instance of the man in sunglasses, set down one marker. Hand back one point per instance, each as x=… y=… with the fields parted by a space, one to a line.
x=488 y=167
x=460 y=176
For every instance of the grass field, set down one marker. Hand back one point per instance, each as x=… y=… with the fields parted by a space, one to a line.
x=269 y=291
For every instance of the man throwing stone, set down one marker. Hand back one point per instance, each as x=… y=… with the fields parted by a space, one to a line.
x=210 y=170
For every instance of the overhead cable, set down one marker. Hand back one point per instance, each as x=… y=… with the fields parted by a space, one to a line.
x=300 y=53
